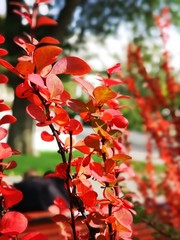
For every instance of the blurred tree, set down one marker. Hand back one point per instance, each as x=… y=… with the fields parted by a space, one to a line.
x=78 y=17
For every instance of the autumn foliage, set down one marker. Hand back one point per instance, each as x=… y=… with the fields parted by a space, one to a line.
x=157 y=99
x=40 y=69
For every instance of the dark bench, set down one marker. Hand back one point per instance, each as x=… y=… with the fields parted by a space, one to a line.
x=42 y=222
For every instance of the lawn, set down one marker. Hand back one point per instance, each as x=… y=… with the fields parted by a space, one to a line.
x=45 y=161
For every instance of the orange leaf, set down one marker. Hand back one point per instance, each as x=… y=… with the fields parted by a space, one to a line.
x=121 y=157
x=124 y=217
x=81 y=146
x=102 y=94
x=25 y=68
x=62 y=117
x=93 y=141
x=109 y=194
x=46 y=55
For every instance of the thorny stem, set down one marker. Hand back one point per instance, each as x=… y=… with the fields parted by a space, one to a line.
x=54 y=131
x=110 y=205
x=68 y=188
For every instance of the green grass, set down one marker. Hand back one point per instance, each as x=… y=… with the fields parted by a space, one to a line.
x=140 y=167
x=45 y=161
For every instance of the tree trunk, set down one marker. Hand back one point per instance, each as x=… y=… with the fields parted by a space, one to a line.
x=65 y=18
x=21 y=132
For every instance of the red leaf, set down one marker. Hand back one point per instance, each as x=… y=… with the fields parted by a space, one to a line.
x=36 y=112
x=27 y=46
x=61 y=203
x=62 y=117
x=101 y=237
x=10 y=165
x=11 y=196
x=7 y=119
x=87 y=86
x=25 y=68
x=96 y=168
x=90 y=198
x=61 y=170
x=3 y=52
x=3 y=133
x=23 y=90
x=120 y=121
x=81 y=146
x=3 y=79
x=8 y=66
x=36 y=79
x=102 y=94
x=96 y=220
x=2 y=39
x=109 y=165
x=93 y=141
x=124 y=217
x=43 y=20
x=114 y=69
x=86 y=161
x=4 y=107
x=34 y=236
x=54 y=85
x=48 y=40
x=71 y=65
x=76 y=105
x=47 y=137
x=5 y=151
x=46 y=55
x=74 y=126
x=109 y=194
x=60 y=218
x=111 y=82
x=13 y=223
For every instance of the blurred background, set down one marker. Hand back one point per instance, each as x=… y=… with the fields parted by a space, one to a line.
x=144 y=37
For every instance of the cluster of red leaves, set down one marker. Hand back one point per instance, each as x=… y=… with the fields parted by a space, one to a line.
x=40 y=70
x=11 y=223
x=164 y=130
